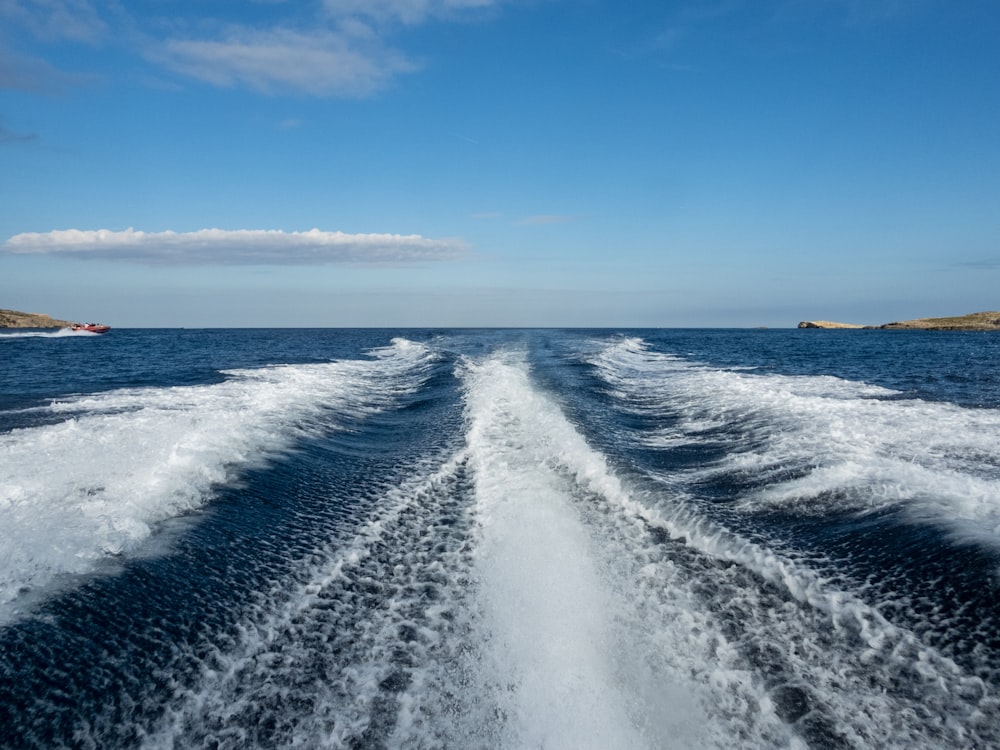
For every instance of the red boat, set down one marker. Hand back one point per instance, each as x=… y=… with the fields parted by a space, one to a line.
x=92 y=327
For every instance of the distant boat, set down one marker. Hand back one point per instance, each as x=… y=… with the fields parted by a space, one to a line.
x=92 y=327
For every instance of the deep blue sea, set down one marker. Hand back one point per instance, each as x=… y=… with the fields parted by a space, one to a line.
x=555 y=539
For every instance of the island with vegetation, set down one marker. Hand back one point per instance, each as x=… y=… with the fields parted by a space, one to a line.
x=15 y=319
x=980 y=321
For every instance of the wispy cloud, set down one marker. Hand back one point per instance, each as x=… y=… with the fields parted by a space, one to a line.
x=9 y=136
x=865 y=12
x=403 y=11
x=985 y=264
x=56 y=20
x=323 y=48
x=855 y=12
x=25 y=23
x=544 y=219
x=321 y=63
x=20 y=72
x=465 y=138
x=235 y=247
x=342 y=51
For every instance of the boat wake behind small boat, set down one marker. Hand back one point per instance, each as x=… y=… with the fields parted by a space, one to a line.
x=91 y=327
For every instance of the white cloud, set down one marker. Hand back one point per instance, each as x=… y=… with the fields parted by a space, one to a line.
x=323 y=48
x=274 y=61
x=235 y=247
x=342 y=53
x=54 y=20
x=405 y=11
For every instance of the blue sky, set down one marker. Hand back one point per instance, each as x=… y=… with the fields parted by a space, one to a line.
x=482 y=162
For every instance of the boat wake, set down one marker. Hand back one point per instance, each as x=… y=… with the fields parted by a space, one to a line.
x=491 y=579
x=62 y=333
x=84 y=491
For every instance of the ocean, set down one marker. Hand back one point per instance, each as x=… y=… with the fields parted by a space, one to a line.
x=467 y=539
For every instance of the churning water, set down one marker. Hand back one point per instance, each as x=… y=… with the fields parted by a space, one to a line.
x=500 y=539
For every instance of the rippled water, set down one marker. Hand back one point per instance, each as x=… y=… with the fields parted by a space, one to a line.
x=499 y=539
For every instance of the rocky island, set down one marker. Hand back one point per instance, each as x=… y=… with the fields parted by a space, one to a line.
x=15 y=319
x=828 y=324
x=980 y=321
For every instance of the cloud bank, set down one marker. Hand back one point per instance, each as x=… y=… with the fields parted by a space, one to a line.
x=236 y=247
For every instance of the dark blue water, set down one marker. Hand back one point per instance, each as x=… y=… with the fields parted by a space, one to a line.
x=499 y=538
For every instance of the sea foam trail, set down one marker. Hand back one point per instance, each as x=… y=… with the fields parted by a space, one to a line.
x=819 y=443
x=833 y=665
x=347 y=655
x=485 y=604
x=62 y=333
x=593 y=642
x=75 y=493
x=551 y=616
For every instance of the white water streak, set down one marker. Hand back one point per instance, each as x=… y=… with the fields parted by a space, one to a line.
x=565 y=635
x=61 y=333
x=863 y=453
x=93 y=486
x=277 y=640
x=858 y=666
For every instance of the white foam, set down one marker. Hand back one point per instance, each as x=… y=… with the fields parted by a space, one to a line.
x=61 y=333
x=587 y=658
x=557 y=630
x=278 y=641
x=558 y=618
x=525 y=643
x=696 y=631
x=95 y=484
x=840 y=439
x=858 y=665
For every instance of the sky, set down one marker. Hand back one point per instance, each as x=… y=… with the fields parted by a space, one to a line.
x=596 y=163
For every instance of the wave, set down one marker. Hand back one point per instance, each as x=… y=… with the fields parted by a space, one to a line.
x=93 y=486
x=815 y=444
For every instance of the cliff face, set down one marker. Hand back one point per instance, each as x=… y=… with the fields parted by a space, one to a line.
x=15 y=319
x=981 y=321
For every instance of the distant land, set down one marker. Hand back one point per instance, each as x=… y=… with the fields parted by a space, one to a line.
x=15 y=319
x=828 y=324
x=980 y=321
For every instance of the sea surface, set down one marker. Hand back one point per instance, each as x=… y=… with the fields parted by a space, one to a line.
x=499 y=539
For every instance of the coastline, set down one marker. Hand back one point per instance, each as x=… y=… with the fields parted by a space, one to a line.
x=16 y=319
x=980 y=321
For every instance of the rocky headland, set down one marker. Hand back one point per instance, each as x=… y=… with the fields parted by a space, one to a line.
x=828 y=324
x=15 y=319
x=980 y=321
